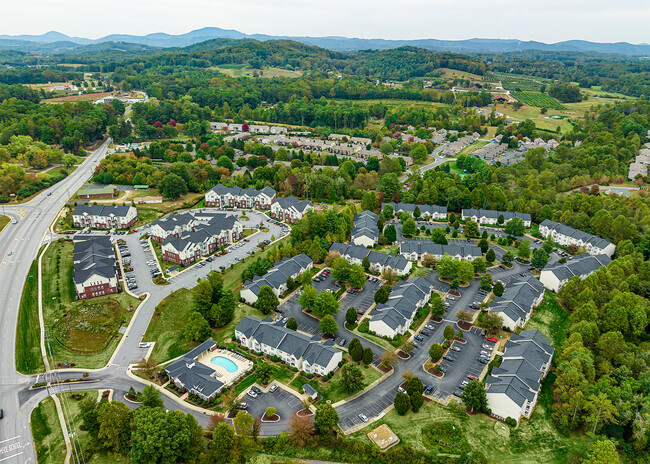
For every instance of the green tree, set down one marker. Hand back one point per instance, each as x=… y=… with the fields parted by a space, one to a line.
x=369 y=201
x=367 y=355
x=351 y=378
x=449 y=333
x=263 y=372
x=474 y=396
x=447 y=267
x=436 y=351
x=196 y=328
x=266 y=300
x=438 y=308
x=355 y=349
x=389 y=276
x=416 y=212
x=479 y=265
x=408 y=228
x=341 y=269
x=465 y=271
x=365 y=263
x=292 y=323
x=390 y=233
x=507 y=257
x=492 y=323
x=222 y=443
x=599 y=410
x=243 y=424
x=483 y=245
x=326 y=419
x=308 y=297
x=515 y=227
x=326 y=303
x=471 y=229
x=113 y=419
x=498 y=289
x=69 y=160
x=486 y=282
x=438 y=236
x=202 y=297
x=523 y=249
x=381 y=295
x=540 y=258
x=416 y=400
x=173 y=187
x=418 y=152
x=328 y=325
x=151 y=397
x=357 y=277
x=351 y=315
x=604 y=452
x=402 y=403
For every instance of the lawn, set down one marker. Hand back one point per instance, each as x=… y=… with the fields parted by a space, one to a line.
x=150 y=212
x=471 y=148
x=535 y=440
x=82 y=332
x=333 y=389
x=29 y=359
x=240 y=70
x=48 y=436
x=550 y=319
x=166 y=326
x=373 y=338
x=4 y=220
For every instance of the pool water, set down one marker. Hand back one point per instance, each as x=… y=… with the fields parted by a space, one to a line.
x=226 y=363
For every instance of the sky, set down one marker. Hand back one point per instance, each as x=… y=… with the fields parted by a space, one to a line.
x=542 y=20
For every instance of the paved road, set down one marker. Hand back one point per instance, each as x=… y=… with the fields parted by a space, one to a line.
x=19 y=244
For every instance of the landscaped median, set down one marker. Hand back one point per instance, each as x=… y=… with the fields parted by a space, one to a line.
x=29 y=359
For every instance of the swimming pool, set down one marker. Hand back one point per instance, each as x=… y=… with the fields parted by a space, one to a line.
x=226 y=363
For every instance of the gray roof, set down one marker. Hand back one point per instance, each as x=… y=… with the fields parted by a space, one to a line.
x=101 y=210
x=221 y=189
x=422 y=247
x=401 y=305
x=579 y=266
x=424 y=209
x=289 y=202
x=561 y=228
x=365 y=224
x=517 y=300
x=93 y=256
x=279 y=273
x=195 y=375
x=311 y=391
x=494 y=214
x=358 y=252
x=174 y=220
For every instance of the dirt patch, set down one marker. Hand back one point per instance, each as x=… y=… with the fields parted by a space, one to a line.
x=304 y=413
x=273 y=418
x=454 y=293
x=460 y=340
x=403 y=355
x=437 y=319
x=384 y=369
x=464 y=325
x=437 y=374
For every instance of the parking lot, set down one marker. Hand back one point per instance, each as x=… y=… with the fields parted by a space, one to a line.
x=369 y=410
x=285 y=403
x=361 y=301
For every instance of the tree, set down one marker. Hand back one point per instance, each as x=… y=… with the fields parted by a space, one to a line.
x=328 y=325
x=507 y=257
x=464 y=316
x=351 y=378
x=479 y=265
x=449 y=333
x=599 y=410
x=540 y=258
x=341 y=269
x=113 y=419
x=301 y=430
x=326 y=303
x=447 y=267
x=326 y=419
x=490 y=256
x=492 y=323
x=389 y=276
x=515 y=227
x=367 y=355
x=388 y=359
x=471 y=229
x=157 y=436
x=357 y=278
x=436 y=351
x=390 y=233
x=365 y=263
x=438 y=308
x=196 y=328
x=486 y=282
x=474 y=396
x=173 y=187
x=369 y=201
x=438 y=236
x=418 y=152
x=416 y=400
x=523 y=249
x=69 y=160
x=263 y=372
x=150 y=397
x=270 y=411
x=604 y=452
x=202 y=297
x=355 y=349
x=351 y=315
x=221 y=445
x=409 y=228
x=416 y=212
x=483 y=245
x=308 y=297
x=402 y=403
x=381 y=295
x=498 y=289
x=465 y=271
x=292 y=323
x=243 y=424
x=267 y=301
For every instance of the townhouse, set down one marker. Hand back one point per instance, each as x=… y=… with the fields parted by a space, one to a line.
x=491 y=217
x=365 y=231
x=296 y=349
x=290 y=209
x=564 y=235
x=512 y=389
x=415 y=250
x=517 y=302
x=554 y=277
x=197 y=378
x=104 y=216
x=378 y=261
x=94 y=270
x=173 y=225
x=426 y=211
x=221 y=196
x=276 y=278
x=396 y=315
x=200 y=238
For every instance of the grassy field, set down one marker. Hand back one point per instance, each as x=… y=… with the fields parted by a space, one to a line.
x=166 y=326
x=333 y=390
x=455 y=74
x=4 y=220
x=77 y=98
x=393 y=102
x=81 y=332
x=29 y=359
x=534 y=441
x=473 y=147
x=550 y=319
x=48 y=436
x=240 y=70
x=537 y=99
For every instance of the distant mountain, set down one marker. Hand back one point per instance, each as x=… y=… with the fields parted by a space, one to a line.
x=64 y=44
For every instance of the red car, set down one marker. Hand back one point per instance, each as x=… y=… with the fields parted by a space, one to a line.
x=135 y=230
x=491 y=339
x=472 y=377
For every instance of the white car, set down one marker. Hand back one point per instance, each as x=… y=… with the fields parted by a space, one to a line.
x=251 y=393
x=363 y=417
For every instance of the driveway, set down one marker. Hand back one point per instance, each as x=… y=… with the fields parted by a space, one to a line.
x=285 y=403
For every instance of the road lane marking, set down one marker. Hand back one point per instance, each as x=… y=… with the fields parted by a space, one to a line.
x=12 y=456
x=9 y=439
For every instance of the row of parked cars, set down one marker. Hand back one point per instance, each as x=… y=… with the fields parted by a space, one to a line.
x=153 y=266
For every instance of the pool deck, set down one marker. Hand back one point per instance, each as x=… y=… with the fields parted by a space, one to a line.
x=243 y=365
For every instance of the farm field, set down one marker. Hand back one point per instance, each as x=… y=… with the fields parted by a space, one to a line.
x=240 y=70
x=453 y=73
x=537 y=99
x=78 y=98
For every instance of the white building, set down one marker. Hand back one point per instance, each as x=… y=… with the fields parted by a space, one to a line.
x=221 y=196
x=365 y=231
x=378 y=261
x=582 y=266
x=416 y=250
x=277 y=277
x=564 y=235
x=517 y=302
x=290 y=209
x=426 y=211
x=491 y=217
x=104 y=216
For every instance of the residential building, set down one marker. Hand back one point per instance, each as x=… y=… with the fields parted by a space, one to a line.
x=396 y=315
x=378 y=261
x=491 y=217
x=512 y=389
x=564 y=235
x=196 y=377
x=96 y=191
x=294 y=348
x=426 y=211
x=277 y=277
x=556 y=276
x=415 y=250
x=173 y=225
x=365 y=231
x=517 y=302
x=221 y=196
x=94 y=270
x=290 y=209
x=104 y=216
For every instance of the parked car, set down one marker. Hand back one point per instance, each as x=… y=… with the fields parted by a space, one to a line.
x=419 y=338
x=251 y=393
x=455 y=348
x=472 y=377
x=458 y=393
x=429 y=389
x=401 y=390
x=273 y=389
x=491 y=339
x=443 y=369
x=448 y=358
x=363 y=417
x=256 y=390
x=483 y=361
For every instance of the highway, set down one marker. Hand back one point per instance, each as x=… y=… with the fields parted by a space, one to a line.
x=19 y=244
